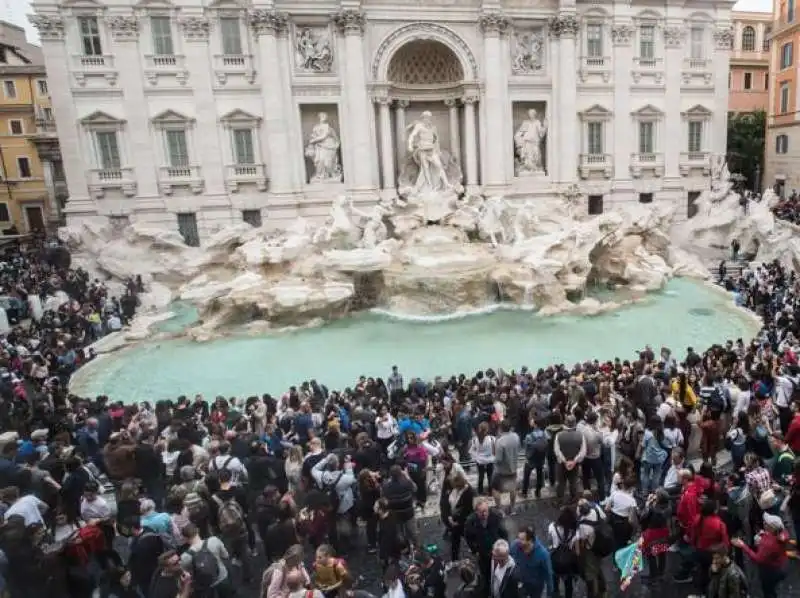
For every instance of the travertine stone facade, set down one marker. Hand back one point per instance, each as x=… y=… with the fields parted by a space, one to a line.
x=193 y=114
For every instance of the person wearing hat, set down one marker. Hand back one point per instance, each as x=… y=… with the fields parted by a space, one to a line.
x=769 y=555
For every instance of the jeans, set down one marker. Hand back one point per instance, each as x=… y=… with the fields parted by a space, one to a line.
x=564 y=477
x=770 y=579
x=526 y=476
x=593 y=468
x=486 y=470
x=651 y=477
x=568 y=585
x=456 y=533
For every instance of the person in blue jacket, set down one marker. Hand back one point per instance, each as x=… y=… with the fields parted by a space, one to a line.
x=534 y=568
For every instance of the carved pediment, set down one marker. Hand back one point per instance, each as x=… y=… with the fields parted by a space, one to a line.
x=228 y=5
x=154 y=4
x=239 y=116
x=98 y=117
x=697 y=111
x=81 y=4
x=596 y=112
x=648 y=111
x=171 y=117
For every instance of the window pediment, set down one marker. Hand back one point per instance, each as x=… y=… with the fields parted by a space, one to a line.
x=697 y=111
x=647 y=112
x=240 y=117
x=170 y=117
x=98 y=118
x=596 y=112
x=81 y=4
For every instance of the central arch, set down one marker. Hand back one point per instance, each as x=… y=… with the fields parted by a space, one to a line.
x=430 y=33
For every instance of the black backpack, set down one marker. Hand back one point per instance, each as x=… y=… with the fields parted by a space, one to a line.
x=205 y=567
x=333 y=494
x=603 y=544
x=564 y=559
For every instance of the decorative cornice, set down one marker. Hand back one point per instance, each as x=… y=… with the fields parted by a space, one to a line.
x=195 y=29
x=723 y=38
x=494 y=23
x=123 y=28
x=564 y=26
x=266 y=22
x=350 y=21
x=674 y=36
x=51 y=28
x=470 y=99
x=622 y=35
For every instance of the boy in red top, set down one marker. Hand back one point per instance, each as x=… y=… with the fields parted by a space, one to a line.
x=793 y=434
x=770 y=554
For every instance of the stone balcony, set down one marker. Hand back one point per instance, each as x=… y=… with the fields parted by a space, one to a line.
x=101 y=65
x=647 y=162
x=244 y=174
x=695 y=161
x=165 y=65
x=699 y=69
x=46 y=126
x=648 y=70
x=602 y=164
x=103 y=179
x=170 y=177
x=592 y=66
x=227 y=65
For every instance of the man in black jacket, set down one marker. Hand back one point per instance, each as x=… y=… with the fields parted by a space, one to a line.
x=482 y=529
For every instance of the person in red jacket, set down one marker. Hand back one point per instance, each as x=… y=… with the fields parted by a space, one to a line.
x=694 y=486
x=793 y=434
x=770 y=555
x=709 y=531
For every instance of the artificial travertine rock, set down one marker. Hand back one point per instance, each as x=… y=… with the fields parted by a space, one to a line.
x=535 y=253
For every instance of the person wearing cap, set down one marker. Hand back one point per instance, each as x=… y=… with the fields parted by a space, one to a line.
x=769 y=555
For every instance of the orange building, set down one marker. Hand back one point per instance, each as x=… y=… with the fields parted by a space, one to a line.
x=782 y=163
x=748 y=79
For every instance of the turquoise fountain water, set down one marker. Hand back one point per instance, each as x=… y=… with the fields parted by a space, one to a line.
x=686 y=314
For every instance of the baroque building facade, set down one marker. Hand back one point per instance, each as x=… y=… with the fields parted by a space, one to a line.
x=193 y=114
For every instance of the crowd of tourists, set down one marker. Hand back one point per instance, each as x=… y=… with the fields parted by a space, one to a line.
x=788 y=208
x=188 y=498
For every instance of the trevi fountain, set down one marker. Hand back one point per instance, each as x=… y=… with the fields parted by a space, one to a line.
x=435 y=279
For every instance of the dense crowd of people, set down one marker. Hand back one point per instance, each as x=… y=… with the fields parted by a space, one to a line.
x=788 y=208
x=186 y=498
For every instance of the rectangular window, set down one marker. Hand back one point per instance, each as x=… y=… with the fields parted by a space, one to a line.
x=646 y=131
x=784 y=98
x=594 y=135
x=691 y=203
x=161 y=29
x=697 y=45
x=252 y=217
x=3 y=55
x=695 y=136
x=231 y=36
x=187 y=227
x=647 y=42
x=786 y=55
x=594 y=40
x=24 y=167
x=90 y=36
x=645 y=198
x=5 y=215
x=177 y=148
x=595 y=205
x=789 y=11
x=10 y=89
x=766 y=80
x=108 y=150
x=47 y=114
x=748 y=80
x=41 y=84
x=15 y=126
x=243 y=146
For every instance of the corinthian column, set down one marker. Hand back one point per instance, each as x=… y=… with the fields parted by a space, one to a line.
x=471 y=142
x=387 y=148
x=565 y=27
x=267 y=25
x=455 y=134
x=360 y=141
x=494 y=26
x=400 y=128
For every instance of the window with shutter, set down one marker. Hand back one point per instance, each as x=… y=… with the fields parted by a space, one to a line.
x=646 y=138
x=243 y=146
x=177 y=148
x=231 y=36
x=108 y=150
x=647 y=42
x=90 y=36
x=695 y=136
x=161 y=30
x=594 y=40
x=595 y=138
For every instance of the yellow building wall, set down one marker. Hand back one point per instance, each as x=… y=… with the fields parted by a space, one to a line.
x=27 y=106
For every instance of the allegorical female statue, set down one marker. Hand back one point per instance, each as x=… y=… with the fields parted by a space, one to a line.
x=528 y=142
x=323 y=149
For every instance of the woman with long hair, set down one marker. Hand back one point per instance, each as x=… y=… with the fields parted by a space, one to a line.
x=482 y=450
x=459 y=507
x=294 y=467
x=416 y=458
x=369 y=491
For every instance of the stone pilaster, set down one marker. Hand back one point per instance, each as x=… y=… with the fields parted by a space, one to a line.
x=400 y=130
x=73 y=152
x=565 y=27
x=387 y=147
x=622 y=139
x=471 y=142
x=671 y=137
x=455 y=129
x=495 y=104
x=267 y=25
x=723 y=42
x=360 y=116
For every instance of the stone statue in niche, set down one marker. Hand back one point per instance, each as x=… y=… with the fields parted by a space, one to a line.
x=427 y=167
x=323 y=150
x=314 y=53
x=528 y=141
x=527 y=53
